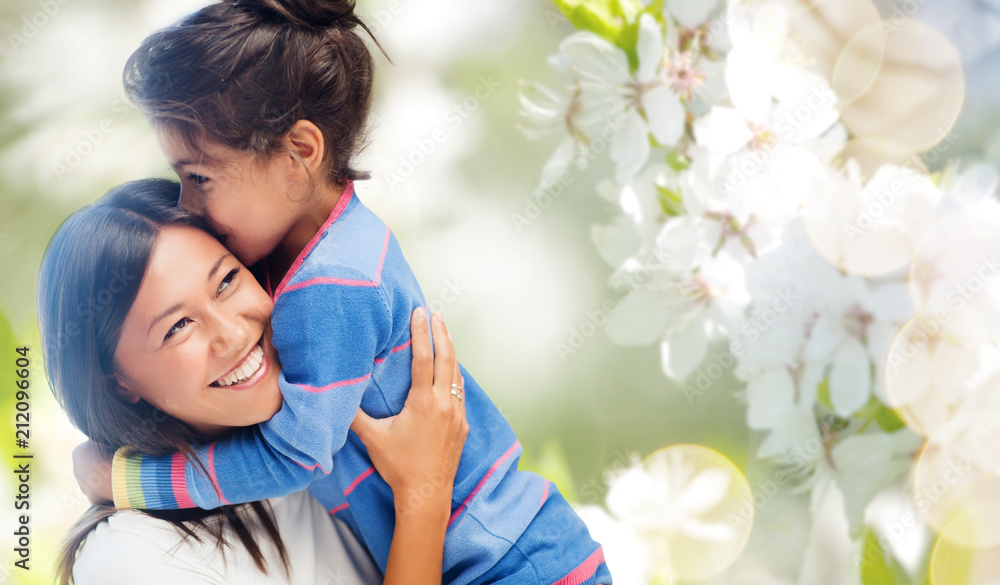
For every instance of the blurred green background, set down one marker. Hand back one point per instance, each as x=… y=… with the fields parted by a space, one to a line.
x=510 y=295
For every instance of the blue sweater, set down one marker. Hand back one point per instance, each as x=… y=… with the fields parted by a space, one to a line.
x=341 y=325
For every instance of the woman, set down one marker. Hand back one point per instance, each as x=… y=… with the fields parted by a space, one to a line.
x=107 y=276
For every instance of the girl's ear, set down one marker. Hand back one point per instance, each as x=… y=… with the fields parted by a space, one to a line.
x=121 y=387
x=305 y=142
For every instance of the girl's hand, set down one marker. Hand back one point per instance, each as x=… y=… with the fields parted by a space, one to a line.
x=417 y=451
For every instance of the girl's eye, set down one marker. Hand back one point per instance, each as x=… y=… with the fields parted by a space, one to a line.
x=198 y=180
x=228 y=280
x=177 y=327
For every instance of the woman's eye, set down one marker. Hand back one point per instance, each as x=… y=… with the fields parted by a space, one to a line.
x=228 y=280
x=177 y=327
x=198 y=180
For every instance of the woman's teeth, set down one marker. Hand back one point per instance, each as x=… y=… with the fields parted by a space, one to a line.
x=243 y=372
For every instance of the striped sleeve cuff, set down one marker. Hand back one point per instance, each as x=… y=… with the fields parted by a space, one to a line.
x=149 y=482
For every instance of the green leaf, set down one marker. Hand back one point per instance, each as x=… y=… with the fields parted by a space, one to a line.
x=671 y=202
x=616 y=21
x=676 y=161
x=823 y=393
x=602 y=17
x=879 y=567
x=888 y=419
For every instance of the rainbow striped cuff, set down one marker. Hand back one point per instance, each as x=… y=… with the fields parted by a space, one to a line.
x=149 y=482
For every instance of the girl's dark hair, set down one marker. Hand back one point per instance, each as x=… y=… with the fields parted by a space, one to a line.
x=88 y=281
x=241 y=73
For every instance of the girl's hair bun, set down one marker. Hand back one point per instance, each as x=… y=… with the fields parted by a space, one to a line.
x=307 y=13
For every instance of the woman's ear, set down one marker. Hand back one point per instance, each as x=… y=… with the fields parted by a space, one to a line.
x=123 y=390
x=305 y=142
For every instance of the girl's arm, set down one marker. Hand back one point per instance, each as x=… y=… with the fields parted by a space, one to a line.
x=417 y=453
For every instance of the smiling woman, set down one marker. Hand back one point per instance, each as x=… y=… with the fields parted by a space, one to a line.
x=179 y=354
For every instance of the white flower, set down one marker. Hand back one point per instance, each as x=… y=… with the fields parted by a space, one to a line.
x=641 y=103
x=864 y=465
x=873 y=227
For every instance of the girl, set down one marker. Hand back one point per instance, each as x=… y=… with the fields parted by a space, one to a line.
x=121 y=385
x=260 y=106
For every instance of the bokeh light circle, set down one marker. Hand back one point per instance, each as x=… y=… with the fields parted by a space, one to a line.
x=713 y=510
x=956 y=484
x=901 y=80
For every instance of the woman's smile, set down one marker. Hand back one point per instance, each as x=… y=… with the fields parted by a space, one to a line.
x=247 y=372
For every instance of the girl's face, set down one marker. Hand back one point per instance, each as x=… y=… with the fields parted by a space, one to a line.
x=248 y=201
x=197 y=342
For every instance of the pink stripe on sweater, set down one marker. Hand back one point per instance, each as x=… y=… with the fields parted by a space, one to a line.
x=358 y=480
x=340 y=384
x=178 y=480
x=381 y=260
x=585 y=571
x=486 y=477
x=211 y=471
x=319 y=280
x=339 y=508
x=312 y=467
x=338 y=209
x=545 y=494
x=399 y=347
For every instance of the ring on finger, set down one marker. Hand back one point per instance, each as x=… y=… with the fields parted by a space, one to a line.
x=457 y=390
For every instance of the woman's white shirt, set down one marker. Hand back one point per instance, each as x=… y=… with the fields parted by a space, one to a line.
x=131 y=547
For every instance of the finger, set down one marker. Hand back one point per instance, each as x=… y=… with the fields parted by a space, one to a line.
x=422 y=369
x=457 y=380
x=444 y=354
x=363 y=426
x=460 y=380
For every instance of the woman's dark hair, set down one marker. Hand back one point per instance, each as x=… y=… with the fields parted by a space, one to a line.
x=88 y=281
x=242 y=73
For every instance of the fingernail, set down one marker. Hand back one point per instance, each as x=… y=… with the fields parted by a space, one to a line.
x=418 y=313
x=437 y=316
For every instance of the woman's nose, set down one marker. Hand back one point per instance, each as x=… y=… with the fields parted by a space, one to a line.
x=230 y=335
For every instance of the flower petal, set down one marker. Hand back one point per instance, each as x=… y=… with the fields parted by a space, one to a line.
x=630 y=149
x=705 y=492
x=665 y=114
x=691 y=13
x=682 y=352
x=850 y=378
x=649 y=48
x=769 y=397
x=722 y=130
x=557 y=164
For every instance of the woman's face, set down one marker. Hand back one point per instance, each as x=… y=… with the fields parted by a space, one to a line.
x=197 y=342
